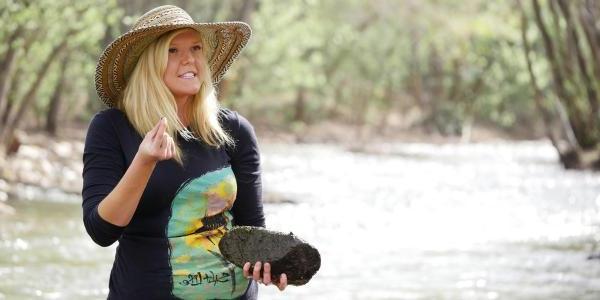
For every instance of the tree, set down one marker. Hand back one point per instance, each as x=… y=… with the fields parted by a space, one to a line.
x=573 y=72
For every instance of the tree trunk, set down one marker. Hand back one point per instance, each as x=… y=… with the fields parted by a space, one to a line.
x=456 y=81
x=561 y=48
x=388 y=103
x=4 y=117
x=574 y=131
x=8 y=65
x=333 y=110
x=10 y=104
x=7 y=135
x=15 y=83
x=547 y=118
x=300 y=105
x=57 y=97
x=590 y=31
x=416 y=84
x=436 y=73
x=587 y=81
x=557 y=75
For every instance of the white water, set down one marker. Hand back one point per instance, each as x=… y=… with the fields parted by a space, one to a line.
x=487 y=221
x=478 y=221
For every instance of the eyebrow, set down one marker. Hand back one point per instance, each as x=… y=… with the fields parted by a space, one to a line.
x=194 y=43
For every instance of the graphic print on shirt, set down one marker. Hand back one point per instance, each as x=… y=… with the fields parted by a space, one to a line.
x=199 y=219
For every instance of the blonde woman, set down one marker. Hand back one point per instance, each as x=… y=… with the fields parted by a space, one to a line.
x=166 y=170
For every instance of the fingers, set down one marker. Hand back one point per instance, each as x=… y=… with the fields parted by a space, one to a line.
x=162 y=124
x=165 y=143
x=171 y=148
x=154 y=130
x=168 y=149
x=282 y=282
x=246 y=270
x=168 y=146
x=256 y=271
x=266 y=279
x=158 y=144
x=267 y=274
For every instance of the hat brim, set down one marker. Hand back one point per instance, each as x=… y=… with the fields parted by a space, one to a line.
x=223 y=42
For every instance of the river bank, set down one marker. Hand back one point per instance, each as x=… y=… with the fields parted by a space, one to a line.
x=50 y=166
x=43 y=167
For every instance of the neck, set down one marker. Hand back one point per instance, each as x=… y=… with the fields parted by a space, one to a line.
x=182 y=110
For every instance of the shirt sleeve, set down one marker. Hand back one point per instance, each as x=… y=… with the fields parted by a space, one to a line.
x=247 y=209
x=103 y=168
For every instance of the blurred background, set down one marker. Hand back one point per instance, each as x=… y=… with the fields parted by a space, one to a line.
x=435 y=149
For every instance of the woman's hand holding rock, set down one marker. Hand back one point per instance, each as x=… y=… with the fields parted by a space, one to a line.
x=280 y=282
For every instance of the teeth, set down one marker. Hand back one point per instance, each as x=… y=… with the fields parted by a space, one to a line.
x=188 y=75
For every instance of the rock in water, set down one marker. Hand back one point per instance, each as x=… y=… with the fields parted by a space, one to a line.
x=285 y=252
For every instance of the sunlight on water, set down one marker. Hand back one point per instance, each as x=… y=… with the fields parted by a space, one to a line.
x=478 y=221
x=483 y=221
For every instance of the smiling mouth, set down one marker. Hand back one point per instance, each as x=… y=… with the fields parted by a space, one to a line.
x=188 y=75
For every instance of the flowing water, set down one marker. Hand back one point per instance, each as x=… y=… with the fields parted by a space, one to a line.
x=467 y=221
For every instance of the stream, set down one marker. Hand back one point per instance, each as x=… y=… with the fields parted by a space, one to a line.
x=409 y=221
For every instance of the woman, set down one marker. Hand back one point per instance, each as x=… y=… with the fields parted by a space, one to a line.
x=166 y=171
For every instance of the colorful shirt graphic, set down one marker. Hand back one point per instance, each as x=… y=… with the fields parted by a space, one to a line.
x=198 y=221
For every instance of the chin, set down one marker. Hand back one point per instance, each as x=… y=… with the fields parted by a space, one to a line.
x=193 y=89
x=188 y=92
x=192 y=92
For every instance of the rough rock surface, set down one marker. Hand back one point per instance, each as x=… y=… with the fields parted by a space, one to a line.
x=285 y=252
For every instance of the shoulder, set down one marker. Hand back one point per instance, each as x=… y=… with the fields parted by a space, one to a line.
x=235 y=123
x=108 y=116
x=242 y=132
x=110 y=121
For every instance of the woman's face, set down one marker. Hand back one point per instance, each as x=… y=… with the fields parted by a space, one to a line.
x=183 y=75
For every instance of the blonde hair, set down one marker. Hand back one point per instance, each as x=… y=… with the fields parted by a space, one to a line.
x=147 y=98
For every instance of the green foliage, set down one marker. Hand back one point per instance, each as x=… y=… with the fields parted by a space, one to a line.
x=46 y=24
x=355 y=61
x=360 y=60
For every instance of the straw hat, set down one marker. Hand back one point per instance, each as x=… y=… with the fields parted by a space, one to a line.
x=222 y=43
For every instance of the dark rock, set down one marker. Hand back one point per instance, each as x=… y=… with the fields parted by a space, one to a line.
x=594 y=256
x=285 y=252
x=13 y=146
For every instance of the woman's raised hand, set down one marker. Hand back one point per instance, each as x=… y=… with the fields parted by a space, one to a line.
x=157 y=144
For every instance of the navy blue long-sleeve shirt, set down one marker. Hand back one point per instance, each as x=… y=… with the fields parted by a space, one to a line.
x=169 y=249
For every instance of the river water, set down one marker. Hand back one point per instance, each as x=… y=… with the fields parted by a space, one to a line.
x=422 y=221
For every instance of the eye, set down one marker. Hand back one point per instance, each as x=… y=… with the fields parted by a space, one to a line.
x=197 y=48
x=172 y=50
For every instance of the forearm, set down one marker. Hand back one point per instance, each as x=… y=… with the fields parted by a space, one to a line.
x=120 y=204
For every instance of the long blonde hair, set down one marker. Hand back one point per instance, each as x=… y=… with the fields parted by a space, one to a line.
x=147 y=98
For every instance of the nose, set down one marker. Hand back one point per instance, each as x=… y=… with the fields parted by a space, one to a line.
x=188 y=58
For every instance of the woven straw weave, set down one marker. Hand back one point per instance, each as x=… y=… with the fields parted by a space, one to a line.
x=222 y=43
